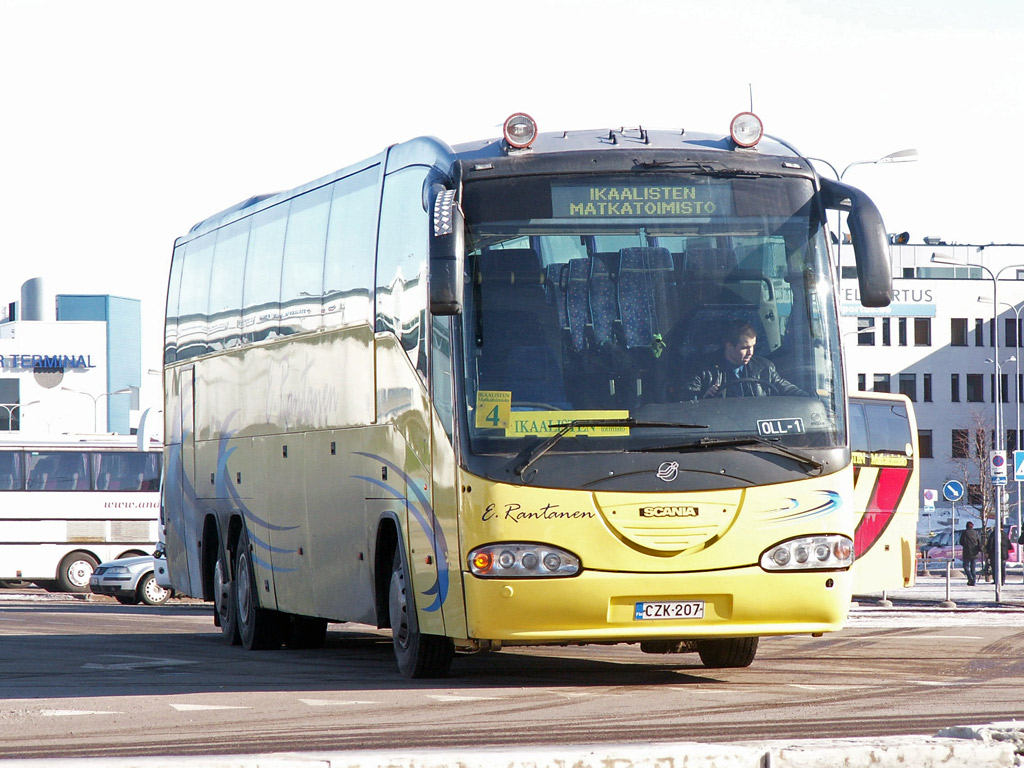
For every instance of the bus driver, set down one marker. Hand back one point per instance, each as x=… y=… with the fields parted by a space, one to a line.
x=736 y=371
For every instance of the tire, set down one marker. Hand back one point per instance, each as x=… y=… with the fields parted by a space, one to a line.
x=417 y=655
x=150 y=592
x=305 y=632
x=225 y=615
x=260 y=629
x=74 y=572
x=727 y=652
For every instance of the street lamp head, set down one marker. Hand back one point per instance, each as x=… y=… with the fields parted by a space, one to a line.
x=903 y=156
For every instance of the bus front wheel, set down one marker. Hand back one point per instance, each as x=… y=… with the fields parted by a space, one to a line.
x=75 y=570
x=259 y=628
x=418 y=655
x=727 y=652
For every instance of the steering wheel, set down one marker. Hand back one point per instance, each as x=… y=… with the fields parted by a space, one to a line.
x=770 y=388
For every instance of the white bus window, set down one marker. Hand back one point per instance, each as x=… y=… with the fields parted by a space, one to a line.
x=11 y=478
x=302 y=275
x=58 y=471
x=226 y=285
x=351 y=235
x=261 y=314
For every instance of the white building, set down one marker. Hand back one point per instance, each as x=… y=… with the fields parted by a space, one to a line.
x=935 y=343
x=69 y=363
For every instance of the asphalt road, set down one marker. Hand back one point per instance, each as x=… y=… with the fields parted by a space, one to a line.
x=95 y=678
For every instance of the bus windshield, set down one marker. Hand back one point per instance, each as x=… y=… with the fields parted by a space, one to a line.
x=653 y=311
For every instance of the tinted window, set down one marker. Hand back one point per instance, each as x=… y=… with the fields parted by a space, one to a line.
x=11 y=477
x=57 y=471
x=261 y=315
x=351 y=236
x=302 y=277
x=121 y=471
x=195 y=297
x=225 y=308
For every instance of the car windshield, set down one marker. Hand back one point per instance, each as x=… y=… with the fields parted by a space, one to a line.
x=655 y=312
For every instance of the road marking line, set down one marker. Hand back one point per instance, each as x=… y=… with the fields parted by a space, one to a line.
x=332 y=703
x=201 y=707
x=445 y=698
x=139 y=662
x=74 y=712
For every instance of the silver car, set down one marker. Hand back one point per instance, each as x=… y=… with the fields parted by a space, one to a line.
x=130 y=580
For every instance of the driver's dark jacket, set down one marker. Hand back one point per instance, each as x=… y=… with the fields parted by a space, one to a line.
x=719 y=371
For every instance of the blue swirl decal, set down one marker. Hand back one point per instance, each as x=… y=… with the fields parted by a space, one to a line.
x=832 y=502
x=423 y=513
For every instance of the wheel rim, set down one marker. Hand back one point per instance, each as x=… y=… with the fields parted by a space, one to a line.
x=243 y=590
x=78 y=573
x=154 y=592
x=220 y=598
x=399 y=610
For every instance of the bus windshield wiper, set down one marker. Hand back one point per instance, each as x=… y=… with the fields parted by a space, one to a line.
x=750 y=441
x=538 y=449
x=702 y=169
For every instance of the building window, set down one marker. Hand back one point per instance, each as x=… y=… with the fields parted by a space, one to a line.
x=866 y=331
x=974 y=496
x=862 y=382
x=954 y=387
x=1004 y=385
x=959 y=444
x=886 y=332
x=881 y=382
x=922 y=331
x=979 y=332
x=901 y=325
x=1010 y=332
x=926 y=381
x=975 y=388
x=924 y=443
x=1011 y=440
x=908 y=385
x=958 y=331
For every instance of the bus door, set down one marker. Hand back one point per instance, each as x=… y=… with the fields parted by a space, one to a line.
x=181 y=515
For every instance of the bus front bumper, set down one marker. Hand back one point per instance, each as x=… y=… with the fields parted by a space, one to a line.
x=603 y=607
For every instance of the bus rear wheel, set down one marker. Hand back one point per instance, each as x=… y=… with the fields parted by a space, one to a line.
x=225 y=616
x=74 y=572
x=727 y=652
x=418 y=655
x=259 y=628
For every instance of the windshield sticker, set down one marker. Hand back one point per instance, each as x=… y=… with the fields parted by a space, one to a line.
x=580 y=201
x=777 y=427
x=863 y=458
x=547 y=423
x=492 y=409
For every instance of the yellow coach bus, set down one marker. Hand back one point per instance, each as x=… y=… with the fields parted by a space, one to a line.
x=886 y=491
x=570 y=387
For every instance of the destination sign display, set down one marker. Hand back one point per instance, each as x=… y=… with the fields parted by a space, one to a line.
x=647 y=200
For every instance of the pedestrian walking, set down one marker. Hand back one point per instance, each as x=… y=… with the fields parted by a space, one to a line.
x=970 y=543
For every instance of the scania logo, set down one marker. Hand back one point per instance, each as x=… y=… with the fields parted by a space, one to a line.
x=668 y=471
x=673 y=511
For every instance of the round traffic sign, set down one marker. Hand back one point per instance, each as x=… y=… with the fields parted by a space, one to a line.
x=953 y=490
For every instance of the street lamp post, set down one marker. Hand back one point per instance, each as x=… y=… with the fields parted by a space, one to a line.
x=902 y=156
x=1017 y=388
x=1000 y=436
x=96 y=401
x=11 y=408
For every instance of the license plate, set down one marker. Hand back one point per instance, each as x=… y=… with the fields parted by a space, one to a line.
x=669 y=609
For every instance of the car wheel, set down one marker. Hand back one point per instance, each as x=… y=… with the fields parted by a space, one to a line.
x=727 y=652
x=75 y=570
x=152 y=593
x=225 y=614
x=259 y=628
x=418 y=655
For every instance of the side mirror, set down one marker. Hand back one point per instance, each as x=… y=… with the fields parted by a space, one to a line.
x=870 y=243
x=447 y=252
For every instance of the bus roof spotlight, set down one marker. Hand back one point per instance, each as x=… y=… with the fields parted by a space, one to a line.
x=746 y=129
x=520 y=130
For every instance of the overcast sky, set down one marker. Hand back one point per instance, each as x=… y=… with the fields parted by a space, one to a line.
x=122 y=123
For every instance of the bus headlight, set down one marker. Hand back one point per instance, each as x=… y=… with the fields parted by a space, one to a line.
x=522 y=561
x=809 y=553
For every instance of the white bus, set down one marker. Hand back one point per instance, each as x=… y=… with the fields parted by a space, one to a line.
x=71 y=502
